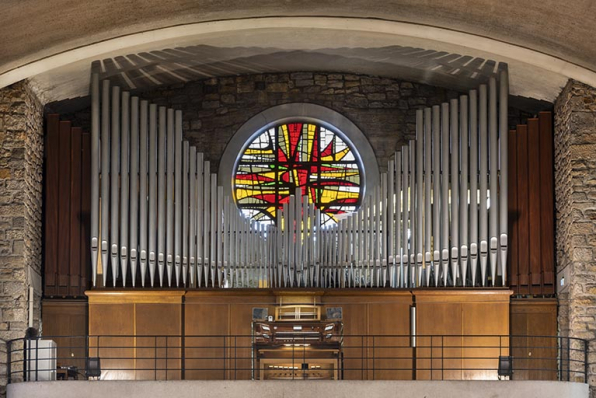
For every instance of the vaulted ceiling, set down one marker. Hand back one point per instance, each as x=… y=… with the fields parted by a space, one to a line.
x=447 y=42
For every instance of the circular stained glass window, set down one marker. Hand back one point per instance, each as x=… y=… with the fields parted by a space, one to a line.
x=295 y=155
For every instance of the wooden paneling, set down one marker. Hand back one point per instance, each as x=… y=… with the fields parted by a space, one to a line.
x=137 y=313
x=482 y=313
x=389 y=319
x=437 y=318
x=220 y=314
x=480 y=353
x=512 y=257
x=66 y=318
x=64 y=205
x=531 y=319
x=535 y=278
x=531 y=207
x=523 y=231
x=208 y=318
x=66 y=211
x=116 y=353
x=376 y=312
x=162 y=320
x=74 y=218
x=85 y=215
x=547 y=202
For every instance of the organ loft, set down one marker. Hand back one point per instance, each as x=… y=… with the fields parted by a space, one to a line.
x=326 y=201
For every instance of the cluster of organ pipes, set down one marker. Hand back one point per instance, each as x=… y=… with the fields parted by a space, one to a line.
x=438 y=217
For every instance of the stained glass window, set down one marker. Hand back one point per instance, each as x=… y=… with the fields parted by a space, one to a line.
x=292 y=155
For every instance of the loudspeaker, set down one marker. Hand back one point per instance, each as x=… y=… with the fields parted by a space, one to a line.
x=505 y=366
x=260 y=314
x=93 y=367
x=334 y=313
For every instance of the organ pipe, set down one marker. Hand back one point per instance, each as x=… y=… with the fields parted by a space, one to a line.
x=437 y=218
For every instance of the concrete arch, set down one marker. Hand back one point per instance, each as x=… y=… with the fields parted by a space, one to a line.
x=195 y=32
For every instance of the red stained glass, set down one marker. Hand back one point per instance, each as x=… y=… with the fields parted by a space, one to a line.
x=297 y=155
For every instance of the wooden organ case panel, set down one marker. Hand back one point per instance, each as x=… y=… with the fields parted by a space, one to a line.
x=478 y=322
x=138 y=332
x=67 y=209
x=217 y=335
x=67 y=318
x=531 y=320
x=531 y=208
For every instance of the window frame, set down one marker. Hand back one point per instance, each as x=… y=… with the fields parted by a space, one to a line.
x=307 y=113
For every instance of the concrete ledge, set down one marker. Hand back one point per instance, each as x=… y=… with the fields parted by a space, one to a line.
x=299 y=389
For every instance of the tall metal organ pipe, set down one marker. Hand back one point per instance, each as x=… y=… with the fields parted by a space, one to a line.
x=156 y=206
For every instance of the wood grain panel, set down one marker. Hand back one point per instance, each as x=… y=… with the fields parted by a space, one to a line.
x=67 y=318
x=547 y=202
x=85 y=215
x=51 y=203
x=355 y=320
x=64 y=209
x=240 y=321
x=531 y=207
x=523 y=204
x=210 y=317
x=391 y=352
x=534 y=209
x=203 y=353
x=435 y=318
x=457 y=312
x=534 y=356
x=513 y=259
x=482 y=353
x=358 y=318
x=162 y=321
x=116 y=353
x=75 y=212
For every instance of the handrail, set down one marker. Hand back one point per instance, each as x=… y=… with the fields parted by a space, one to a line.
x=356 y=356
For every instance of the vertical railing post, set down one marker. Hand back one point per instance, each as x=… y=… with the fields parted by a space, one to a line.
x=25 y=348
x=431 y=357
x=224 y=357
x=585 y=361
x=155 y=358
x=166 y=357
x=442 y=357
x=500 y=351
x=568 y=359
x=373 y=357
x=235 y=358
x=183 y=356
x=8 y=361
x=362 y=357
x=87 y=353
x=36 y=359
x=304 y=373
x=560 y=349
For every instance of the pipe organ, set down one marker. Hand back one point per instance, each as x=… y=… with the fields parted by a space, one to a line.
x=437 y=218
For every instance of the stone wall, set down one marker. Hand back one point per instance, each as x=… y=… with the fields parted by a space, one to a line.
x=214 y=109
x=21 y=156
x=575 y=184
x=384 y=109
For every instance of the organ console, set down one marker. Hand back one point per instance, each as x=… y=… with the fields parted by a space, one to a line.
x=438 y=217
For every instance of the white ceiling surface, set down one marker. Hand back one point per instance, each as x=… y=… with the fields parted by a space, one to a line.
x=278 y=50
x=34 y=29
x=543 y=41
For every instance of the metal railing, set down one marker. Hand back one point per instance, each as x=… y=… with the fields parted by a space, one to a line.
x=241 y=357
